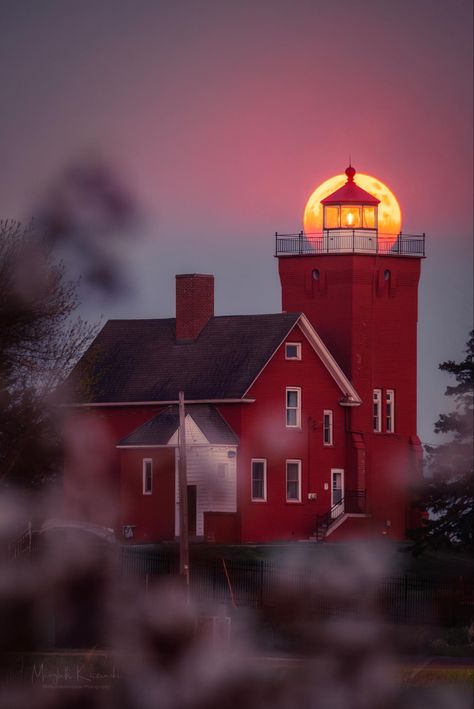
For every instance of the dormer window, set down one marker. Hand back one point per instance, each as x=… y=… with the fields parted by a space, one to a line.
x=293 y=350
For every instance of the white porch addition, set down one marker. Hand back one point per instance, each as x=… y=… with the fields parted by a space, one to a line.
x=211 y=477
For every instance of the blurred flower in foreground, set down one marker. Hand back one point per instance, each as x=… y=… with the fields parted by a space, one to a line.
x=90 y=218
x=73 y=595
x=40 y=339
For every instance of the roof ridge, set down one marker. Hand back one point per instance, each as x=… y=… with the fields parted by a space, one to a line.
x=138 y=359
x=254 y=315
x=214 y=317
x=138 y=319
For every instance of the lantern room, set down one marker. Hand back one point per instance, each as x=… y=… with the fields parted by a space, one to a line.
x=350 y=207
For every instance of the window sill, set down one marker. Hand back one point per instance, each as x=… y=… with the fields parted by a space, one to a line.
x=294 y=502
x=257 y=502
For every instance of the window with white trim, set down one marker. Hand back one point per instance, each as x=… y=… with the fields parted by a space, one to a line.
x=293 y=350
x=259 y=480
x=390 y=411
x=327 y=428
x=377 y=411
x=147 y=477
x=221 y=471
x=293 y=480
x=293 y=407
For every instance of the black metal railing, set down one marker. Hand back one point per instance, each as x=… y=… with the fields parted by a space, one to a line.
x=353 y=502
x=22 y=546
x=346 y=241
x=259 y=582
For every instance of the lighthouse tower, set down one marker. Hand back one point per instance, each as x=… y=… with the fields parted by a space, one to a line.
x=358 y=286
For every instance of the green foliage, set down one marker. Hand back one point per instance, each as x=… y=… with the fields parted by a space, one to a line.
x=448 y=492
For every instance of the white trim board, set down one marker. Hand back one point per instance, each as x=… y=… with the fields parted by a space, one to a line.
x=349 y=392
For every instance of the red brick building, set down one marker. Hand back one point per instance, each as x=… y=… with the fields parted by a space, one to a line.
x=299 y=425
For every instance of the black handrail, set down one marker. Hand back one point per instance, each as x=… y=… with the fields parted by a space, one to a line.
x=22 y=545
x=349 y=241
x=344 y=506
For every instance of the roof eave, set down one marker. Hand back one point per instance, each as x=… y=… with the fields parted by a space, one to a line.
x=243 y=400
x=124 y=446
x=372 y=202
x=290 y=328
x=350 y=394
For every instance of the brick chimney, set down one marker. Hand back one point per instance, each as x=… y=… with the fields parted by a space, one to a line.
x=194 y=304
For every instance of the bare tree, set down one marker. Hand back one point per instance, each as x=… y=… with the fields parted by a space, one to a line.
x=41 y=338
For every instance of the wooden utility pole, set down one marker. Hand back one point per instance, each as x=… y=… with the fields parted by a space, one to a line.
x=183 y=497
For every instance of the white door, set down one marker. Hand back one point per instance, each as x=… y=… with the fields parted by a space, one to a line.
x=337 y=492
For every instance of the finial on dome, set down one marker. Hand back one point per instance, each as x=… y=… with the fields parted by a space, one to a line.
x=350 y=172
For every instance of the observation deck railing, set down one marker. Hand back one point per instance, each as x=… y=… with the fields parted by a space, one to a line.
x=350 y=241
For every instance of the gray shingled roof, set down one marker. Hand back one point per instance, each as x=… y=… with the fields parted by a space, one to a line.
x=159 y=429
x=139 y=360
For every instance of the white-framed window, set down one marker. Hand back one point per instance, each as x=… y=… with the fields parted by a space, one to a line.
x=293 y=480
x=221 y=471
x=147 y=479
x=390 y=411
x=377 y=411
x=327 y=428
x=259 y=479
x=293 y=350
x=293 y=407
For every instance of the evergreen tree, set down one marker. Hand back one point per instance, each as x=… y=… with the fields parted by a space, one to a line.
x=447 y=495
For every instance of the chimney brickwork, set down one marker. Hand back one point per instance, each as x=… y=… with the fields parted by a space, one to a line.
x=194 y=304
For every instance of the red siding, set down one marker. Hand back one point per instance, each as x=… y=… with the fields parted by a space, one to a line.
x=222 y=527
x=369 y=323
x=91 y=465
x=264 y=434
x=152 y=515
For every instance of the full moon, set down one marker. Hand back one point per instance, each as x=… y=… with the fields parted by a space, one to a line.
x=389 y=213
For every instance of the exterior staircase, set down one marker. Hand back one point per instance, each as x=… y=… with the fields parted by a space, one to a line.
x=353 y=505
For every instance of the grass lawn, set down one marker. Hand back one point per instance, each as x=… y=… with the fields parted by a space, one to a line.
x=438 y=674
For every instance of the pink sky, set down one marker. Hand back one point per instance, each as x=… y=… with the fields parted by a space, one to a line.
x=224 y=115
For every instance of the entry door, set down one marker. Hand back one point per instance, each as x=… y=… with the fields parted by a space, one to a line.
x=337 y=493
x=192 y=509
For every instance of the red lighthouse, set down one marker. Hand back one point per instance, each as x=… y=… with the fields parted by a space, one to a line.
x=299 y=424
x=359 y=288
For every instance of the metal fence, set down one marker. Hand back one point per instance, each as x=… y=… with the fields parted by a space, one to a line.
x=264 y=584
